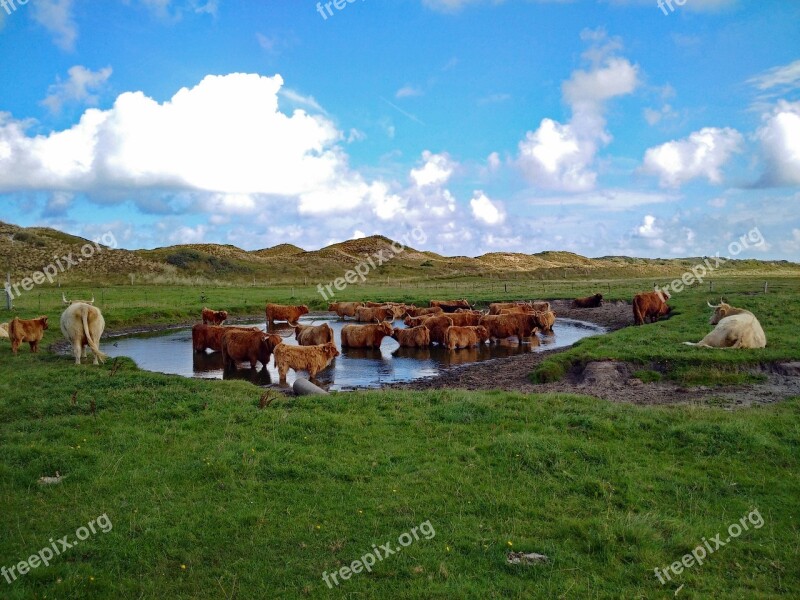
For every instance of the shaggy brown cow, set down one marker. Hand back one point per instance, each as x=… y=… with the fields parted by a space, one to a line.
x=450 y=306
x=595 y=301
x=311 y=359
x=496 y=307
x=370 y=315
x=210 y=336
x=345 y=309
x=541 y=305
x=544 y=320
x=280 y=312
x=465 y=337
x=248 y=346
x=313 y=335
x=413 y=311
x=415 y=321
x=82 y=325
x=30 y=331
x=438 y=325
x=466 y=318
x=650 y=305
x=365 y=336
x=416 y=337
x=214 y=317
x=505 y=326
x=468 y=311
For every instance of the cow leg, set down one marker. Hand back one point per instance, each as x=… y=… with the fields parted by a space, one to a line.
x=282 y=370
x=15 y=346
x=34 y=347
x=77 y=350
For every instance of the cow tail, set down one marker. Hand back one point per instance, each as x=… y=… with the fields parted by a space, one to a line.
x=637 y=314
x=92 y=343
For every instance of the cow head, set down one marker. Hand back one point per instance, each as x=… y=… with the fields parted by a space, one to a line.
x=303 y=310
x=394 y=333
x=43 y=321
x=333 y=306
x=599 y=298
x=385 y=327
x=482 y=333
x=330 y=350
x=721 y=311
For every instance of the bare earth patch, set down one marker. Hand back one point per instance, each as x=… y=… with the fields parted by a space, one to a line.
x=611 y=380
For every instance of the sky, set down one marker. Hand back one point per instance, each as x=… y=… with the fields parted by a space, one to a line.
x=601 y=127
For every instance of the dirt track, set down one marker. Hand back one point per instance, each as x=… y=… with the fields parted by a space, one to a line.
x=609 y=380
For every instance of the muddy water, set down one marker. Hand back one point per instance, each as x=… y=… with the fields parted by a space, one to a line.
x=172 y=353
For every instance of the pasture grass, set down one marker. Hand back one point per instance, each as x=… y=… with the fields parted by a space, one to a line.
x=259 y=502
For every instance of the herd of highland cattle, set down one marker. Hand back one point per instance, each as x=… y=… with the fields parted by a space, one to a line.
x=451 y=324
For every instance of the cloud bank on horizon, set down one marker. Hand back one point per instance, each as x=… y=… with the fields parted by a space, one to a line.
x=494 y=125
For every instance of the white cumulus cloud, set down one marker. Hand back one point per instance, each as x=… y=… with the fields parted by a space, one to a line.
x=485 y=210
x=702 y=155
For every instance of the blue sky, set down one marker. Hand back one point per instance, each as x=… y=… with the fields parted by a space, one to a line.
x=595 y=126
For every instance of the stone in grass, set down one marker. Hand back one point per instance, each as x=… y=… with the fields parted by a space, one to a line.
x=51 y=480
x=525 y=558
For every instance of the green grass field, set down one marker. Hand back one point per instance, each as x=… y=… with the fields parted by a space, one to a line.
x=211 y=496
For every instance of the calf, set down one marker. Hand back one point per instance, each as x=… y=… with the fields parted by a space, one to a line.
x=31 y=331
x=248 y=346
x=214 y=317
x=595 y=301
x=210 y=336
x=345 y=309
x=280 y=312
x=416 y=337
x=311 y=359
x=313 y=335
x=465 y=337
x=365 y=336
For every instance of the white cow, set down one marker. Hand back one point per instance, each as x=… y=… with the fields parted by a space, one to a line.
x=83 y=324
x=4 y=330
x=735 y=328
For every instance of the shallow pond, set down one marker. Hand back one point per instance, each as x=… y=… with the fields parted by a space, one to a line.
x=171 y=352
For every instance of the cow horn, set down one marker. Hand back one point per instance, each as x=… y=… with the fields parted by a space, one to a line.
x=92 y=300
x=64 y=298
x=288 y=335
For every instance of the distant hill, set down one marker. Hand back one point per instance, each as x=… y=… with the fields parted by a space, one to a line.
x=26 y=250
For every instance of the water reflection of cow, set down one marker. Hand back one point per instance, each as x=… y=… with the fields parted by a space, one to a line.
x=209 y=363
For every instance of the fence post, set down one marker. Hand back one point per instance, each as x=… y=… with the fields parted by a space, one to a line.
x=766 y=287
x=9 y=302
